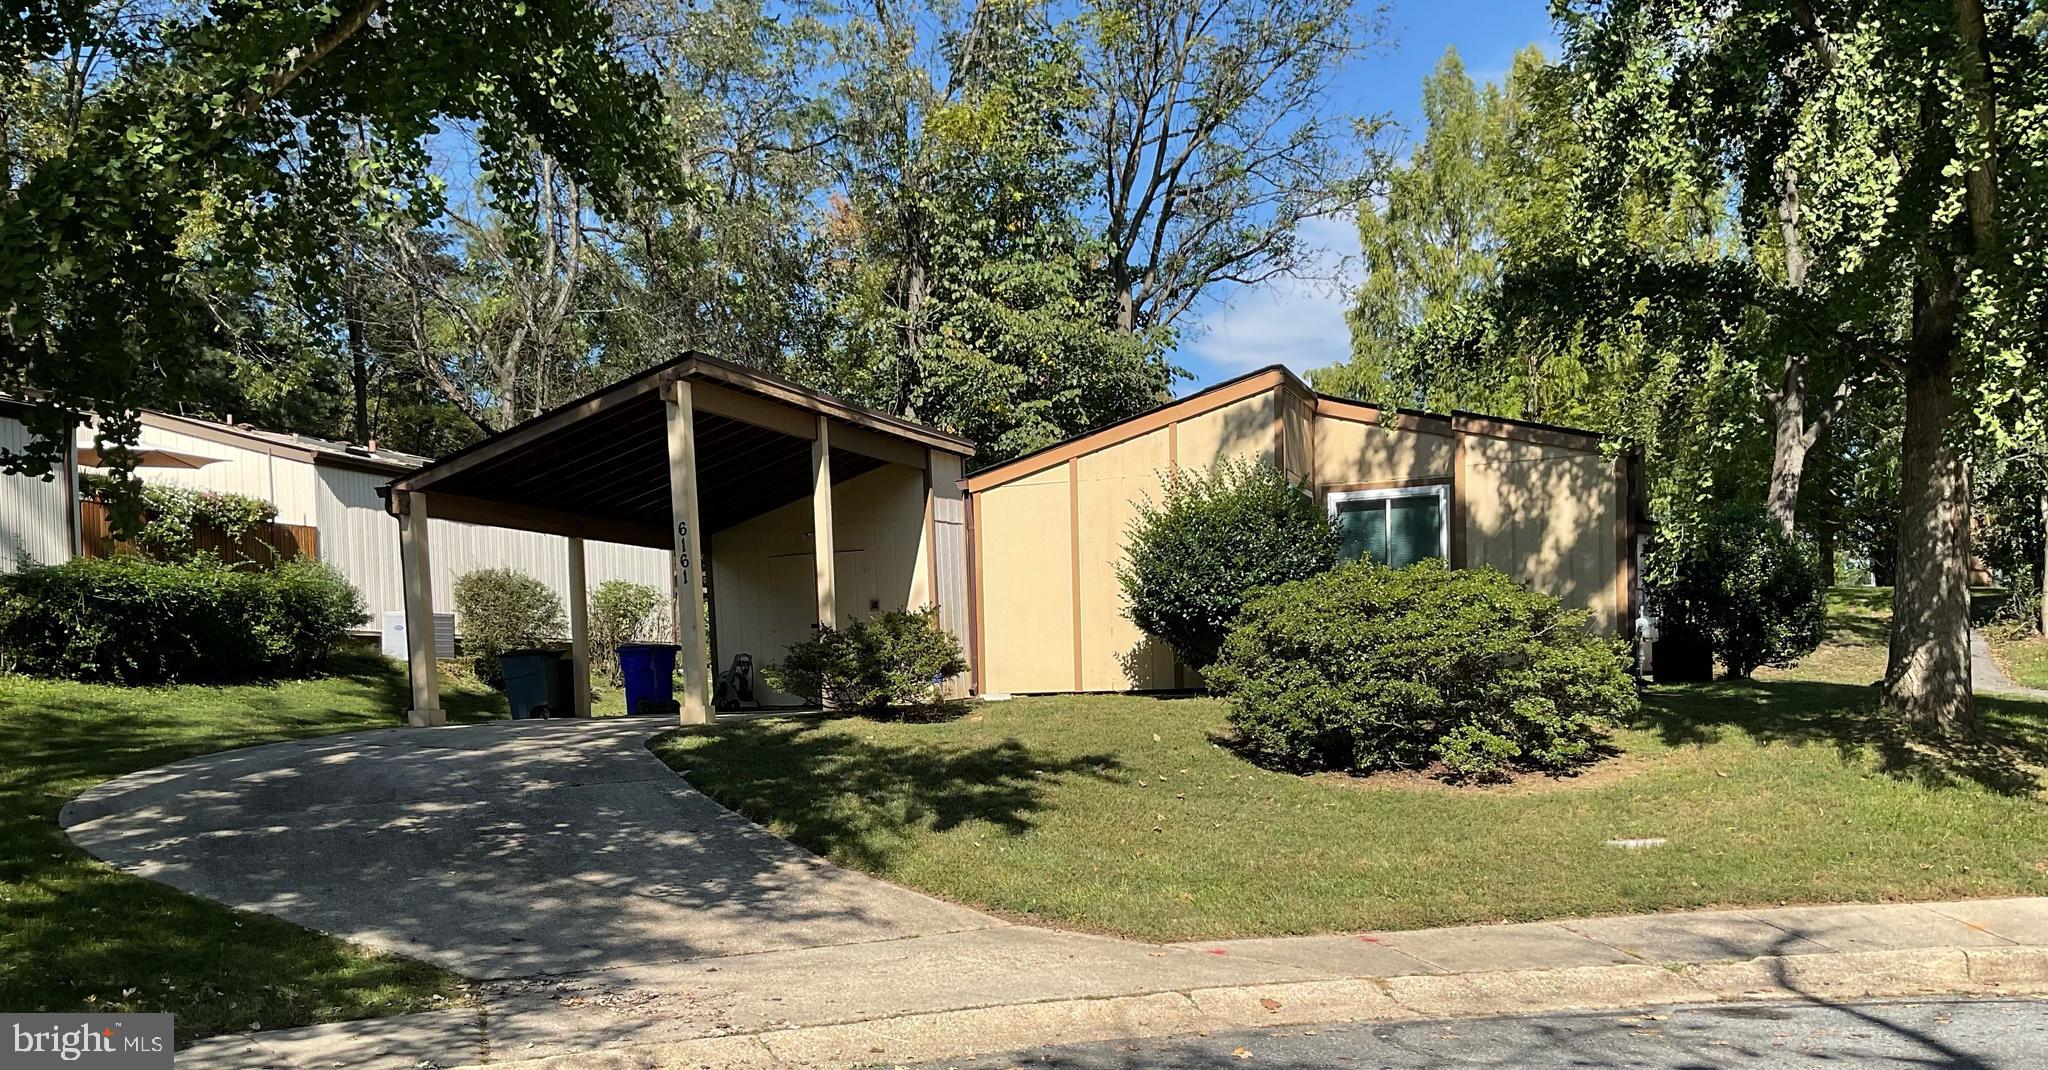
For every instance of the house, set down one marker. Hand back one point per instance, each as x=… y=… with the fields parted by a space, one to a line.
x=1549 y=506
x=784 y=508
x=326 y=493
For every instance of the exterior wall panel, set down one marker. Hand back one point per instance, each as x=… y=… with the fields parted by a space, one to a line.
x=1546 y=515
x=360 y=539
x=1025 y=572
x=1245 y=428
x=1115 y=655
x=1299 y=428
x=35 y=514
x=949 y=556
x=285 y=483
x=764 y=581
x=1352 y=451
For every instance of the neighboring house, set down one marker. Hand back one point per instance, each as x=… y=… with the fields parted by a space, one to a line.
x=328 y=486
x=38 y=520
x=1543 y=504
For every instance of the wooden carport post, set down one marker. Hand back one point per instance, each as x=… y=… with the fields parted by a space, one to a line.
x=579 y=630
x=688 y=553
x=821 y=527
x=415 y=564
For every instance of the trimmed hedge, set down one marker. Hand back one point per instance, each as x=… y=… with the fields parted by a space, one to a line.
x=1368 y=668
x=1190 y=560
x=502 y=609
x=889 y=659
x=1732 y=576
x=130 y=620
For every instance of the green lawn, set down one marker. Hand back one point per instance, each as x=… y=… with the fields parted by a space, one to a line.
x=1125 y=815
x=2025 y=660
x=77 y=935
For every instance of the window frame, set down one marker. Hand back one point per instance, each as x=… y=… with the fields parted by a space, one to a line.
x=1440 y=491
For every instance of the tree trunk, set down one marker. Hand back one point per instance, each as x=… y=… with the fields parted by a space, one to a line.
x=1789 y=439
x=1126 y=308
x=2043 y=576
x=1927 y=680
x=358 y=355
x=1788 y=447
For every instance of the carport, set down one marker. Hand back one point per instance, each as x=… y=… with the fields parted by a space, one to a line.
x=763 y=491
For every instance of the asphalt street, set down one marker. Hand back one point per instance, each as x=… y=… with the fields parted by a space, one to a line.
x=1945 y=1034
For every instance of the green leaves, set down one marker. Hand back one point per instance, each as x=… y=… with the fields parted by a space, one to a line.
x=1191 y=560
x=268 y=119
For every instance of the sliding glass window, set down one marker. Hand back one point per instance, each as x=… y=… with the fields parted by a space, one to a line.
x=1396 y=526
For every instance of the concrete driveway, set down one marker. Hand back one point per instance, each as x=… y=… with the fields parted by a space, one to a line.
x=604 y=904
x=496 y=850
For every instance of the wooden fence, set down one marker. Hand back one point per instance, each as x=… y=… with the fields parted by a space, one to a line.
x=264 y=544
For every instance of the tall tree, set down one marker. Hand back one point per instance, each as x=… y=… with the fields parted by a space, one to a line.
x=216 y=137
x=1894 y=124
x=968 y=290
x=1483 y=183
x=1211 y=140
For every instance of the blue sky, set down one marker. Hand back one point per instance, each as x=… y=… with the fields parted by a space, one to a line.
x=1299 y=323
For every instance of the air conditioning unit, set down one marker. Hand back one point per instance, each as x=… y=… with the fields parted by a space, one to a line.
x=394 y=635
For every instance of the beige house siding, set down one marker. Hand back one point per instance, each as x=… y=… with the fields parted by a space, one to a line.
x=1548 y=516
x=1115 y=655
x=763 y=576
x=1356 y=447
x=1247 y=429
x=1543 y=505
x=1024 y=569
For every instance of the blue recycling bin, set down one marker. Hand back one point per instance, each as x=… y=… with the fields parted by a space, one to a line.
x=650 y=672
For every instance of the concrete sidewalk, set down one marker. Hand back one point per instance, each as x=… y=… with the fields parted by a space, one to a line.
x=983 y=991
x=613 y=916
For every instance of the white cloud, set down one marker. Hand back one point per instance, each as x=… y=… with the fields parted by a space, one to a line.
x=1296 y=322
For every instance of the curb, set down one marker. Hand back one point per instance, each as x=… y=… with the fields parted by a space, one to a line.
x=1948 y=971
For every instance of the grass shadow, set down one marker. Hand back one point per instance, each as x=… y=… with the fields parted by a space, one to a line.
x=2008 y=755
x=856 y=800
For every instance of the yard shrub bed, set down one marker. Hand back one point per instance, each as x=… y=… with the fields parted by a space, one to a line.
x=1732 y=578
x=501 y=609
x=1190 y=560
x=1132 y=815
x=129 y=620
x=1370 y=668
x=894 y=659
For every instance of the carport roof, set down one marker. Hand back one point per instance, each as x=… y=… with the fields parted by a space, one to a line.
x=598 y=466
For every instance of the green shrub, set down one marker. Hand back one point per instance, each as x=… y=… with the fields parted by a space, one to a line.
x=621 y=611
x=502 y=609
x=134 y=621
x=174 y=517
x=1190 y=560
x=1369 y=668
x=1731 y=575
x=889 y=659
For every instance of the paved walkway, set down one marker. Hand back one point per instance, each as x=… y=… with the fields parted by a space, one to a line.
x=603 y=904
x=1987 y=675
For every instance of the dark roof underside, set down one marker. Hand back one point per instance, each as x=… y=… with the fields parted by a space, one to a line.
x=614 y=466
